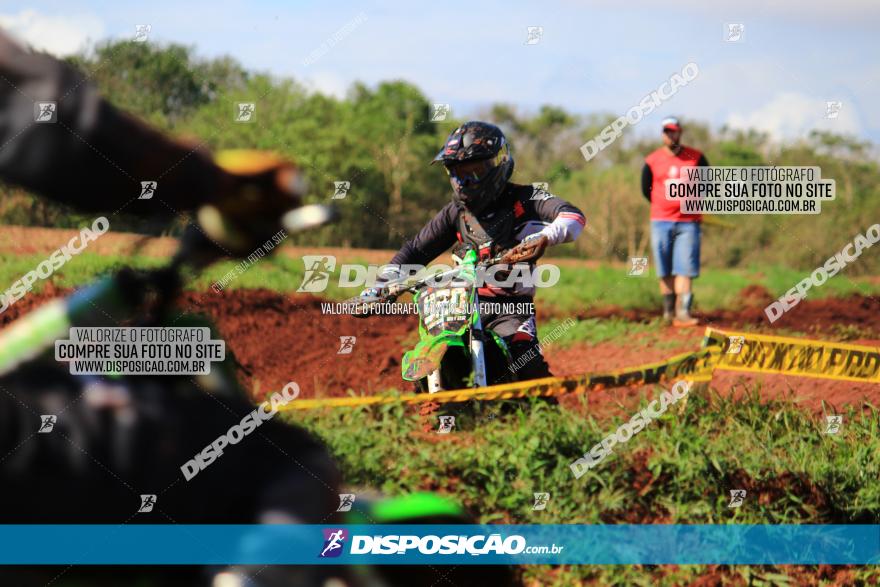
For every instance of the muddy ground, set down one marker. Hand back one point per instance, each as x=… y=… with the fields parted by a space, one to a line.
x=277 y=338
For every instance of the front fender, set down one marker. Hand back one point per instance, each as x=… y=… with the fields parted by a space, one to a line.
x=425 y=357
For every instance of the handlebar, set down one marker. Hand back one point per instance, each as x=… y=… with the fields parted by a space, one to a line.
x=468 y=263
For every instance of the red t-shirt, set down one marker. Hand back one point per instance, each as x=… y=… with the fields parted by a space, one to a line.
x=664 y=165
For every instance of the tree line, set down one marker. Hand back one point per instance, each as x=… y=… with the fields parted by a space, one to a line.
x=381 y=140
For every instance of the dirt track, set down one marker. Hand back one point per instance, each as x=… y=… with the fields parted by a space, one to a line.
x=277 y=338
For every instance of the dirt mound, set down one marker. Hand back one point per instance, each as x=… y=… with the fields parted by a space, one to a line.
x=754 y=295
x=824 y=316
x=277 y=338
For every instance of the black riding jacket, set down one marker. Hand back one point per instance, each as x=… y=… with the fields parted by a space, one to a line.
x=522 y=210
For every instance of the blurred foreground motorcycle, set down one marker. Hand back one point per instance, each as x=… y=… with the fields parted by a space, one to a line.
x=115 y=438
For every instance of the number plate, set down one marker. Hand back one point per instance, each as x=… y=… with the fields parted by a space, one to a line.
x=444 y=309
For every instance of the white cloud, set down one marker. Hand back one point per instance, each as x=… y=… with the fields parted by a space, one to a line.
x=59 y=35
x=326 y=83
x=791 y=115
x=861 y=13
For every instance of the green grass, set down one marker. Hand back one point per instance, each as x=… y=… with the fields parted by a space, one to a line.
x=578 y=289
x=781 y=279
x=792 y=471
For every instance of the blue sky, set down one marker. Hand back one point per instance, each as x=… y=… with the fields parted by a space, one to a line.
x=601 y=56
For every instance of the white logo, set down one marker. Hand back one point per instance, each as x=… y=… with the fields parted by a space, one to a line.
x=475 y=545
x=665 y=91
x=447 y=423
x=832 y=109
x=639 y=265
x=141 y=32
x=439 y=112
x=833 y=424
x=45 y=112
x=735 y=344
x=56 y=260
x=541 y=500
x=318 y=270
x=737 y=496
x=246 y=112
x=346 y=345
x=340 y=189
x=47 y=423
x=734 y=32
x=346 y=500
x=534 y=34
x=333 y=543
x=238 y=432
x=147 y=503
x=540 y=191
x=148 y=188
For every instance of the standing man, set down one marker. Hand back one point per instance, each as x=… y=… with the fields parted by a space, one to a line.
x=675 y=237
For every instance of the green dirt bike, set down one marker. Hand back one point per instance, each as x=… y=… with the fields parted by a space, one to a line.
x=454 y=351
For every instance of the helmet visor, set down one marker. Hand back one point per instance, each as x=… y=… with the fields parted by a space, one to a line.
x=473 y=172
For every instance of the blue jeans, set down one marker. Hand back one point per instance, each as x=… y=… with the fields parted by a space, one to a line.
x=676 y=247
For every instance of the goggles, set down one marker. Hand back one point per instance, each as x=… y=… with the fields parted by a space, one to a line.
x=473 y=172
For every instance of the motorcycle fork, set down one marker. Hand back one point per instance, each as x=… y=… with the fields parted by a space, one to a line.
x=478 y=353
x=434 y=382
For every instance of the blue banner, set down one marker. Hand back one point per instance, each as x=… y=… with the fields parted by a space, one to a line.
x=169 y=544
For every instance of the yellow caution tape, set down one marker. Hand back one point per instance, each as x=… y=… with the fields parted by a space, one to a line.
x=696 y=366
x=735 y=351
x=761 y=353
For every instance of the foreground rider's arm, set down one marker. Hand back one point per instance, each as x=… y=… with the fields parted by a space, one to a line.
x=93 y=156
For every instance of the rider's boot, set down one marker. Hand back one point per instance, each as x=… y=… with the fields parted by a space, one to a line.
x=535 y=367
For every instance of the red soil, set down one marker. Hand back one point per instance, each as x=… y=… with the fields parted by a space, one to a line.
x=278 y=338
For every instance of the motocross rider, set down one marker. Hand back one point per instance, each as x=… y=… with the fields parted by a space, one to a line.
x=491 y=214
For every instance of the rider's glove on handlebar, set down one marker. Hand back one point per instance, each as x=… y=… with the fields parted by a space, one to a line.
x=529 y=250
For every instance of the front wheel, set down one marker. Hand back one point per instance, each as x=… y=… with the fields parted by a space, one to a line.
x=456 y=372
